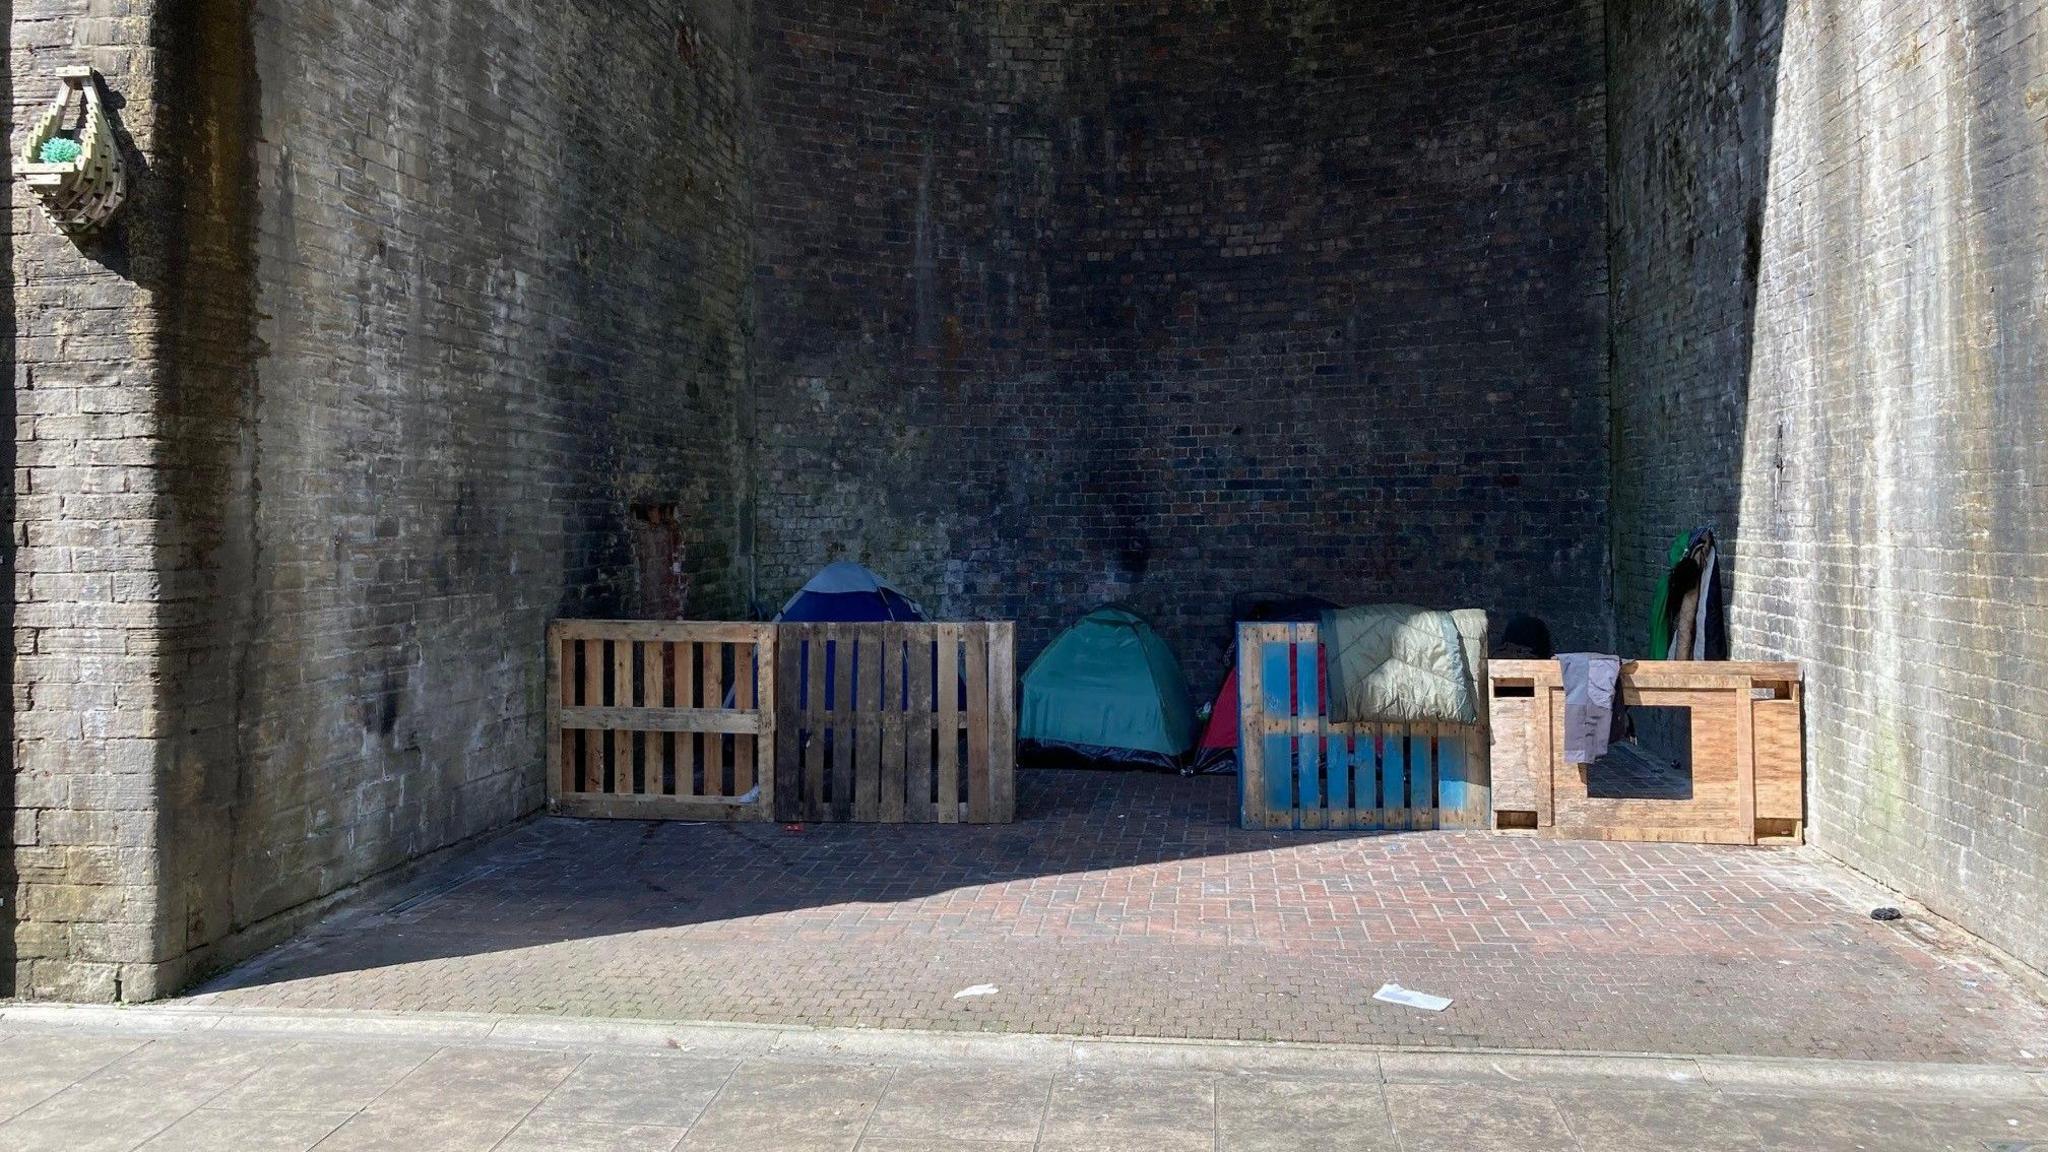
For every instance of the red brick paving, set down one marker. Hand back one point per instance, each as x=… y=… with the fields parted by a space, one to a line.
x=1128 y=904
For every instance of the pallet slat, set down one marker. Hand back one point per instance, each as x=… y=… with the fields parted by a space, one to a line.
x=746 y=675
x=593 y=696
x=922 y=654
x=948 y=640
x=895 y=699
x=1002 y=721
x=711 y=690
x=840 y=645
x=868 y=699
x=977 y=726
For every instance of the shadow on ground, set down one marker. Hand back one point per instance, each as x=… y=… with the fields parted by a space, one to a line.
x=1128 y=904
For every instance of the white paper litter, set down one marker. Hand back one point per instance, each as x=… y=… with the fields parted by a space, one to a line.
x=1395 y=994
x=977 y=990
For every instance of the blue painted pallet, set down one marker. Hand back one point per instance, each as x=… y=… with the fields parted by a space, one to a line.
x=1299 y=771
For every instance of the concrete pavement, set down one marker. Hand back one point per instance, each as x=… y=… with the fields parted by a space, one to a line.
x=165 y=1079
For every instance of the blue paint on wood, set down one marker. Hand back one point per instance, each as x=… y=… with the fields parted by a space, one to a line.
x=1273 y=678
x=1453 y=773
x=1337 y=766
x=1394 y=772
x=1421 y=774
x=1309 y=705
x=1365 y=777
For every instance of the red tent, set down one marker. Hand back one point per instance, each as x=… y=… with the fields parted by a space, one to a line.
x=1216 y=751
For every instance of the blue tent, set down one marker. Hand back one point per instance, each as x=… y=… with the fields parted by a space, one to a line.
x=845 y=592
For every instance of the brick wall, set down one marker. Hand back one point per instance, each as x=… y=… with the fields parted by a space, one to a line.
x=441 y=300
x=1067 y=303
x=1829 y=285
x=83 y=638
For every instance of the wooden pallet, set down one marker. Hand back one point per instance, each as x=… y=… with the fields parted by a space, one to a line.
x=661 y=720
x=1298 y=770
x=1747 y=754
x=897 y=723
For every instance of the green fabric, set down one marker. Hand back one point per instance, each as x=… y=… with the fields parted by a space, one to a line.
x=1660 y=605
x=1111 y=682
x=1395 y=663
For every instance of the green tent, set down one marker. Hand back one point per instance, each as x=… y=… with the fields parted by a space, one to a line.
x=1109 y=689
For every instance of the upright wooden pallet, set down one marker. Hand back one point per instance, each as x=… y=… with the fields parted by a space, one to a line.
x=661 y=720
x=897 y=723
x=1747 y=762
x=1299 y=771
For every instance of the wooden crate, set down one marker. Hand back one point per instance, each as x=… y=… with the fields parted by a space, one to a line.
x=1298 y=770
x=1747 y=754
x=897 y=723
x=654 y=720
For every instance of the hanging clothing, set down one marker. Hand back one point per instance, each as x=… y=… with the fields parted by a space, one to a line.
x=1589 y=704
x=1688 y=619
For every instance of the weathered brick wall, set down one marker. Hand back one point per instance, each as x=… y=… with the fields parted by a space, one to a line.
x=448 y=297
x=1829 y=283
x=1063 y=303
x=81 y=898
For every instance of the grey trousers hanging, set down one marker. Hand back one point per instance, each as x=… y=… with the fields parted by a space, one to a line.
x=1589 y=680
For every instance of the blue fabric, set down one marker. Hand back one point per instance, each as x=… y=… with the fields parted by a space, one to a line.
x=845 y=593
x=848 y=608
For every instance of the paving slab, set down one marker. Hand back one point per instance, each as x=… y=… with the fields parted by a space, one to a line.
x=790 y=1105
x=638 y=1089
x=1128 y=904
x=1267 y=1113
x=210 y=1130
x=956 y=1104
x=557 y=1134
x=1432 y=1118
x=1167 y=1110
x=324 y=1076
x=40 y=1066
x=959 y=1093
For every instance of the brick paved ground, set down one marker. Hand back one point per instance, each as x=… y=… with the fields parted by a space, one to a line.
x=1127 y=904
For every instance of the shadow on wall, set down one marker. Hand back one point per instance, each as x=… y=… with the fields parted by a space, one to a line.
x=1692 y=97
x=1692 y=91
x=201 y=214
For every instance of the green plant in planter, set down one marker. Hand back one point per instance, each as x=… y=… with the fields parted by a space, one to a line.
x=60 y=150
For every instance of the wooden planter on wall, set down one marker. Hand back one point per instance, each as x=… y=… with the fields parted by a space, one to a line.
x=1748 y=754
x=80 y=195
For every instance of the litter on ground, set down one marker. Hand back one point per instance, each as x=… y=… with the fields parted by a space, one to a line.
x=1395 y=994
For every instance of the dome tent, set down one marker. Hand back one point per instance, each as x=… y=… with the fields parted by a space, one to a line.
x=1108 y=689
x=845 y=592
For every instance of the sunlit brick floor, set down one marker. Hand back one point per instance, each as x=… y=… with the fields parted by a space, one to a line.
x=1129 y=904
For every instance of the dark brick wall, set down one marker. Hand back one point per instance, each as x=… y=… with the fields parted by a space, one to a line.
x=499 y=272
x=1158 y=302
x=422 y=313
x=1829 y=285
